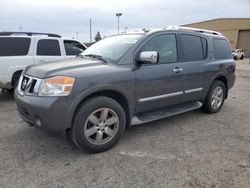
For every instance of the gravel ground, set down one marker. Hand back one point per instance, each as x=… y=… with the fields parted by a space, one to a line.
x=189 y=150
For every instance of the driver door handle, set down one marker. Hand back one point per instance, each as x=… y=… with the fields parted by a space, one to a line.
x=177 y=69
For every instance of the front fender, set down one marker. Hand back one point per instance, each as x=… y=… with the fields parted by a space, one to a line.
x=90 y=91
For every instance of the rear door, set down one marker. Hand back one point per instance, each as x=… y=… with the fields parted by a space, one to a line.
x=47 y=50
x=193 y=55
x=15 y=55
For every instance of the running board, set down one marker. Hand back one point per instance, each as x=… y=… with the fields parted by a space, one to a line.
x=166 y=112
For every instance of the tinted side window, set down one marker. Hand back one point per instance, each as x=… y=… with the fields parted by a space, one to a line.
x=48 y=47
x=165 y=45
x=73 y=47
x=10 y=46
x=191 y=48
x=221 y=49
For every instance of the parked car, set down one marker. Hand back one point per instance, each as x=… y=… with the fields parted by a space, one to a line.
x=20 y=49
x=126 y=80
x=238 y=54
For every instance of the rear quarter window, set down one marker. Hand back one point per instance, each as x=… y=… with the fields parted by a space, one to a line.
x=222 y=49
x=10 y=46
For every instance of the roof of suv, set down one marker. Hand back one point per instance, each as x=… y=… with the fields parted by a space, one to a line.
x=33 y=34
x=29 y=34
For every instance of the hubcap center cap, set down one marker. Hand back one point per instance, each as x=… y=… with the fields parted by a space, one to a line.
x=102 y=125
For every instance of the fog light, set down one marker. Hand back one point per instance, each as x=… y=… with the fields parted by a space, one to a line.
x=38 y=121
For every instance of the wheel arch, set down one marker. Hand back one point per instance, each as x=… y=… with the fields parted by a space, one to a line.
x=223 y=79
x=15 y=76
x=111 y=93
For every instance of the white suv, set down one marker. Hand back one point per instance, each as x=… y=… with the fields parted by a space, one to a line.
x=238 y=54
x=20 y=49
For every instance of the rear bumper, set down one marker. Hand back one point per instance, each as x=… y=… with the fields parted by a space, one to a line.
x=47 y=113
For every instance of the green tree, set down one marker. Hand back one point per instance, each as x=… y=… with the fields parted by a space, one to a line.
x=98 y=36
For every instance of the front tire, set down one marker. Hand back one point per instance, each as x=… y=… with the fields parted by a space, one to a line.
x=15 y=80
x=215 y=98
x=98 y=124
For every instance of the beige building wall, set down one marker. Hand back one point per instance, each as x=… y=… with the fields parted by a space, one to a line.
x=232 y=36
x=229 y=27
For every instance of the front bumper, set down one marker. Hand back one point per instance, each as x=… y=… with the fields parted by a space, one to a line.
x=48 y=113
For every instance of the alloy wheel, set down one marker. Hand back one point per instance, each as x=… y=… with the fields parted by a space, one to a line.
x=217 y=97
x=101 y=126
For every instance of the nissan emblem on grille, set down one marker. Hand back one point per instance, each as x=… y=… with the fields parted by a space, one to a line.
x=24 y=83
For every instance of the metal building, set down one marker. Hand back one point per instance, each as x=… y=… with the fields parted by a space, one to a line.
x=237 y=30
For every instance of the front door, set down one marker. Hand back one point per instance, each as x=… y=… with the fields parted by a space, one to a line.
x=159 y=85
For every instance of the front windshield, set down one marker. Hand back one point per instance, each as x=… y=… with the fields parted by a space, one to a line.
x=112 y=48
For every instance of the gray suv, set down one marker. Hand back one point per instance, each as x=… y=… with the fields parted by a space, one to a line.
x=126 y=80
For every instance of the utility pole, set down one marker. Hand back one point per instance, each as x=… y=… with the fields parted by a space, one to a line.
x=77 y=35
x=118 y=17
x=90 y=30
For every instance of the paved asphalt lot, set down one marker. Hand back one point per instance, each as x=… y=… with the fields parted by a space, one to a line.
x=189 y=150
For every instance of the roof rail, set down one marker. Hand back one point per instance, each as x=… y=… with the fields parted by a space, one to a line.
x=147 y=30
x=193 y=29
x=7 y=33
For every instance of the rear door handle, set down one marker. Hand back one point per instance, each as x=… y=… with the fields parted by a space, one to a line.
x=177 y=69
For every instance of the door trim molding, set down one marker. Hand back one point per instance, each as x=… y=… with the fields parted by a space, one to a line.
x=194 y=90
x=161 y=96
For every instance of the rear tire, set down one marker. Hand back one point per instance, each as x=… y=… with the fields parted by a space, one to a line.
x=242 y=57
x=98 y=124
x=215 y=97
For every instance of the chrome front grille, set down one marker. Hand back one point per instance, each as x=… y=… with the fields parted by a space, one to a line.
x=28 y=85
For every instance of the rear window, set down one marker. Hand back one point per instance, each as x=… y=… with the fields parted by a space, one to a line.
x=194 y=48
x=221 y=49
x=10 y=46
x=48 y=47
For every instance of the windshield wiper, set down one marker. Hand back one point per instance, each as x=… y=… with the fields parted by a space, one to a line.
x=96 y=57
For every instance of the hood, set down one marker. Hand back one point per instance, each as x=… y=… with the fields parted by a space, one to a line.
x=62 y=67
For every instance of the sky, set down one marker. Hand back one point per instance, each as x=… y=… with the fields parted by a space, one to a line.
x=70 y=18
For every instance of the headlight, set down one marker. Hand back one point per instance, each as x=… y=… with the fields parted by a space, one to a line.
x=56 y=86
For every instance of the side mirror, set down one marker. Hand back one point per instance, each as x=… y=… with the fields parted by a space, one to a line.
x=150 y=57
